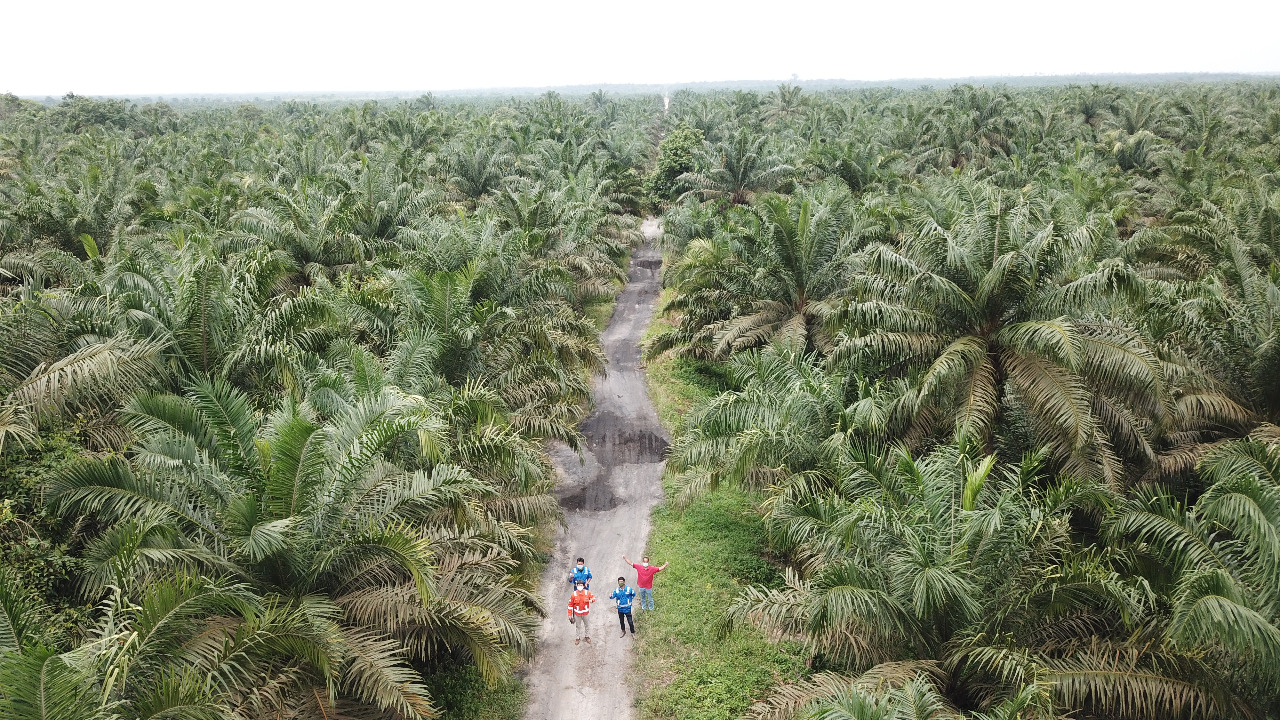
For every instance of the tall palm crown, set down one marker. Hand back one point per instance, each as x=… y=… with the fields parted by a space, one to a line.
x=771 y=276
x=307 y=508
x=994 y=308
x=737 y=168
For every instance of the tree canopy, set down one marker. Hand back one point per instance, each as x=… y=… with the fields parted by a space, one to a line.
x=276 y=386
x=1000 y=371
x=1000 y=375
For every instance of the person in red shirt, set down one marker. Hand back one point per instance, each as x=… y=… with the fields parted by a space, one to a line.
x=644 y=578
x=580 y=612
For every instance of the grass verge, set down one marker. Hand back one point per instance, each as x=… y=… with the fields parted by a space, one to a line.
x=684 y=669
x=600 y=311
x=678 y=385
x=462 y=694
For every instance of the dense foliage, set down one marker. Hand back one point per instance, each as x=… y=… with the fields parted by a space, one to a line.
x=1003 y=366
x=275 y=385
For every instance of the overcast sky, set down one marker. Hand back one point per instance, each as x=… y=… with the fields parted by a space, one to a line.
x=159 y=47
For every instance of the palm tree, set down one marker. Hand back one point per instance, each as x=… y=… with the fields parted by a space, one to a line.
x=785 y=102
x=383 y=200
x=1141 y=112
x=309 y=224
x=1219 y=563
x=774 y=279
x=737 y=168
x=967 y=576
x=98 y=187
x=537 y=355
x=64 y=354
x=995 y=310
x=793 y=425
x=306 y=508
x=477 y=170
x=975 y=123
x=860 y=164
x=701 y=115
x=189 y=648
x=1092 y=105
x=894 y=690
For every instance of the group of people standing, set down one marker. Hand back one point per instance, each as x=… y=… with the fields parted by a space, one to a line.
x=623 y=596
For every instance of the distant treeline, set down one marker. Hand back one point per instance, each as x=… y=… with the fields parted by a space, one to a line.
x=762 y=86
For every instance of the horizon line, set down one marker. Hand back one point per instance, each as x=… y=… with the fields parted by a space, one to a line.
x=658 y=87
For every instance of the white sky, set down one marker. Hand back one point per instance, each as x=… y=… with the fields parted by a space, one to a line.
x=159 y=47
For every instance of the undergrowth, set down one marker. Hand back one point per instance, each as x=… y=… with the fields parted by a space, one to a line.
x=462 y=694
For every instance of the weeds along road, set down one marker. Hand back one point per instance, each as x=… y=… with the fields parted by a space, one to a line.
x=607 y=500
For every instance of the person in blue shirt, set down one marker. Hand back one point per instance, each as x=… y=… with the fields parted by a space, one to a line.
x=580 y=574
x=623 y=596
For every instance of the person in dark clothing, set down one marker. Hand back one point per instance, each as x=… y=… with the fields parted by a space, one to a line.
x=624 y=596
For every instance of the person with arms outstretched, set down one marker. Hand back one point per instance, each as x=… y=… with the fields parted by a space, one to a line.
x=623 y=596
x=580 y=612
x=644 y=578
x=580 y=574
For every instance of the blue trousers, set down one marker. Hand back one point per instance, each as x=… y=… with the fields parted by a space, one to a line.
x=646 y=595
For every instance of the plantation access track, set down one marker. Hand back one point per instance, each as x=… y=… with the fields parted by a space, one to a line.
x=607 y=498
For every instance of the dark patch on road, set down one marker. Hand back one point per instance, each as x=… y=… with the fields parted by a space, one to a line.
x=651 y=264
x=615 y=440
x=596 y=496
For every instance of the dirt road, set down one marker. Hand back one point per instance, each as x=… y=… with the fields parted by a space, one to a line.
x=607 y=501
